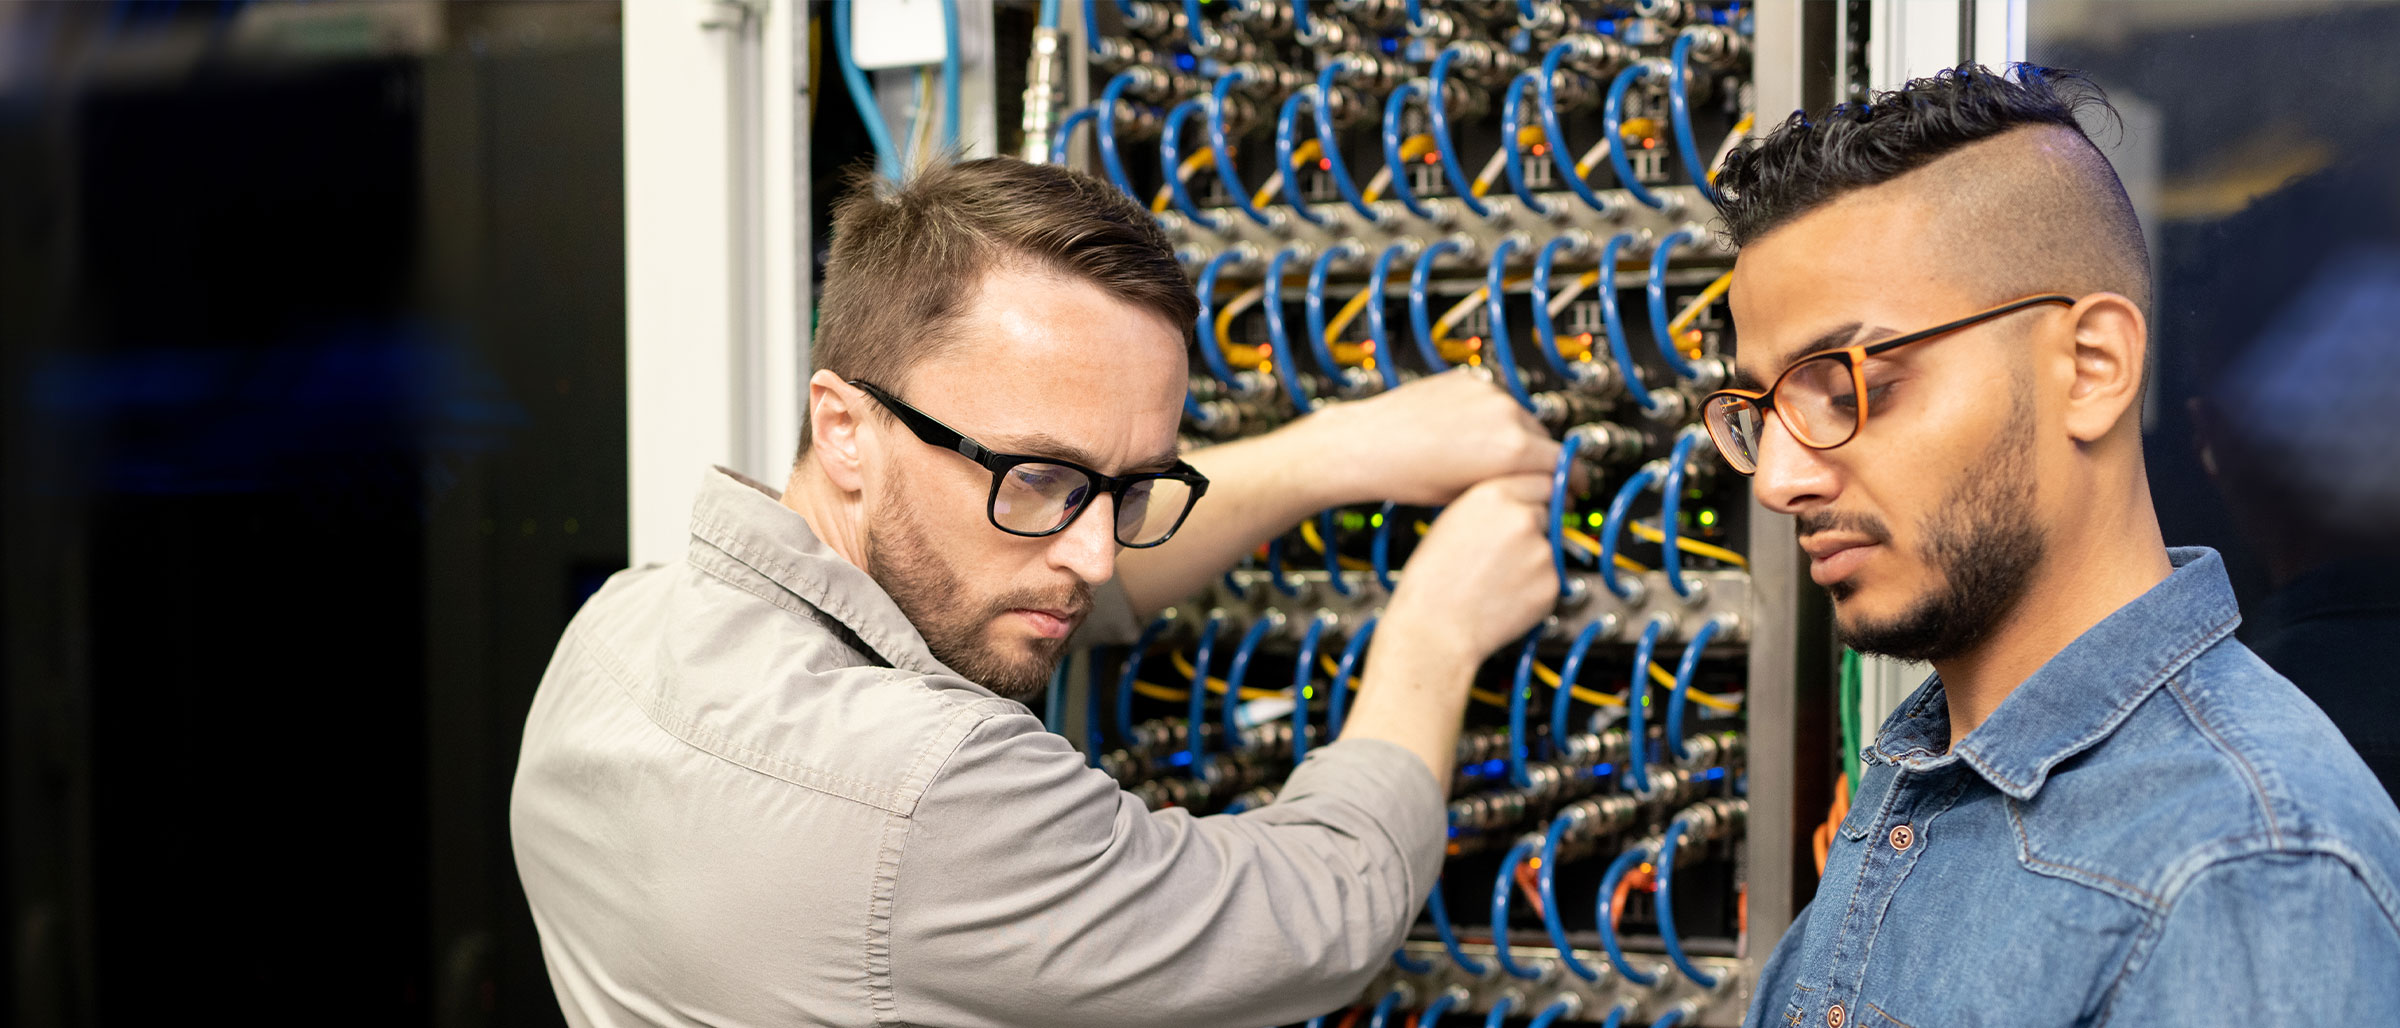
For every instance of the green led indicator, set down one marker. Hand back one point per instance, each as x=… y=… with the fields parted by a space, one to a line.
x=1592 y=519
x=1708 y=517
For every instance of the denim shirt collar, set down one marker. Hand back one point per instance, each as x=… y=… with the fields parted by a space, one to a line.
x=2082 y=693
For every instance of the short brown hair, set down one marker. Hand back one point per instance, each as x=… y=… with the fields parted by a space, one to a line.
x=906 y=259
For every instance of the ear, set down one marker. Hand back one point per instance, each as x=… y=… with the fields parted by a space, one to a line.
x=836 y=416
x=2111 y=343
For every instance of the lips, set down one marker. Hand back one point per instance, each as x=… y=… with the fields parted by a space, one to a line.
x=1050 y=623
x=1833 y=558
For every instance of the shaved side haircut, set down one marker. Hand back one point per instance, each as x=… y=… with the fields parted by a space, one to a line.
x=2019 y=192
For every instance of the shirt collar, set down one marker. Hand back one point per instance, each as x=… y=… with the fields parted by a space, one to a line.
x=749 y=523
x=2082 y=693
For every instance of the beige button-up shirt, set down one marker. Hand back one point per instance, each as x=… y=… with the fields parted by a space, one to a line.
x=749 y=795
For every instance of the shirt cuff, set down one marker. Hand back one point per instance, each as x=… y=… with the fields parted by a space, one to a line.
x=1392 y=788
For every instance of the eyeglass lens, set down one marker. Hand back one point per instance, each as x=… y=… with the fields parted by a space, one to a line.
x=1034 y=499
x=1817 y=399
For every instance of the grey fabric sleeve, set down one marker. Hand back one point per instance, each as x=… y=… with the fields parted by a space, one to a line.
x=1032 y=890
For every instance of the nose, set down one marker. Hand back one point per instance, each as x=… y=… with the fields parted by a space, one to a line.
x=1791 y=477
x=1088 y=548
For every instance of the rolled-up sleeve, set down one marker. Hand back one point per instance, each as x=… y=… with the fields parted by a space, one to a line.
x=1030 y=889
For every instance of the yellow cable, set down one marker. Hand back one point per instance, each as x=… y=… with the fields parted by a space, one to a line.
x=1526 y=136
x=1412 y=149
x=1307 y=151
x=1459 y=311
x=1692 y=546
x=1487 y=698
x=1216 y=685
x=1691 y=311
x=1592 y=546
x=1550 y=678
x=1308 y=534
x=1202 y=158
x=1161 y=692
x=1733 y=139
x=1240 y=355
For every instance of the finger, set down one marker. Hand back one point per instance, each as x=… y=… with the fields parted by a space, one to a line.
x=1522 y=487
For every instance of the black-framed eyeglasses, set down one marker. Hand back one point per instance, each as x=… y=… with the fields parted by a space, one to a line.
x=1824 y=397
x=1039 y=496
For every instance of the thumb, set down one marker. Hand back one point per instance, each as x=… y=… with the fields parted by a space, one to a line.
x=1523 y=488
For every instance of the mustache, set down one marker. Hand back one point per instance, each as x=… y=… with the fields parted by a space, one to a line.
x=1076 y=601
x=1867 y=525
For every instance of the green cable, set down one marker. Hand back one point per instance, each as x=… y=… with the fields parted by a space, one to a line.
x=1849 y=714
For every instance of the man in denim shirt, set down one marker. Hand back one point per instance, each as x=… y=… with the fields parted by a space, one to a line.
x=2102 y=809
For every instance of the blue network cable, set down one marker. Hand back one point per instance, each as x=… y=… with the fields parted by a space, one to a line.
x=1613 y=524
x=1333 y=556
x=1054 y=704
x=1283 y=583
x=1234 y=675
x=862 y=95
x=1637 y=697
x=1395 y=108
x=1130 y=670
x=1334 y=166
x=1066 y=132
x=1557 y=134
x=1567 y=450
x=1336 y=706
x=1287 y=142
x=1503 y=356
x=1212 y=350
x=1383 y=547
x=1546 y=881
x=1314 y=306
x=1049 y=14
x=1617 y=868
x=1170 y=160
x=1104 y=129
x=1419 y=283
x=1666 y=910
x=1684 y=369
x=1679 y=111
x=1503 y=885
x=1545 y=332
x=1222 y=144
x=1618 y=348
x=1412 y=965
x=1519 y=691
x=1441 y=926
x=950 y=72
x=1670 y=514
x=1567 y=670
x=1684 y=670
x=1300 y=23
x=1302 y=671
x=1283 y=356
x=1500 y=1010
x=1387 y=360
x=1512 y=157
x=1195 y=756
x=1382 y=1014
x=1550 y=1014
x=1438 y=121
x=1612 y=122
x=1433 y=1011
x=1671 y=1019
x=1091 y=24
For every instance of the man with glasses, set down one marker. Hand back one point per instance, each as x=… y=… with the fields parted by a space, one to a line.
x=2101 y=808
x=793 y=779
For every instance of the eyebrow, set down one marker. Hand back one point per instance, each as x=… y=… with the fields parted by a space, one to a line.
x=1834 y=339
x=1039 y=443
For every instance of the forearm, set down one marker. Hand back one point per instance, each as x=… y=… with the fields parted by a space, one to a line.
x=1413 y=693
x=1257 y=488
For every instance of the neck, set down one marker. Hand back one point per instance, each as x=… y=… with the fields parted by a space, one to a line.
x=2103 y=563
x=832 y=514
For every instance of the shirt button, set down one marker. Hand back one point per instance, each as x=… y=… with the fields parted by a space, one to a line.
x=1833 y=1016
x=1903 y=837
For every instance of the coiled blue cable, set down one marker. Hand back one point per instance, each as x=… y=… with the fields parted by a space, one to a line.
x=950 y=73
x=862 y=96
x=1613 y=525
x=1612 y=122
x=1499 y=1014
x=1222 y=144
x=1191 y=24
x=1387 y=360
x=1659 y=258
x=1287 y=142
x=1314 y=306
x=1684 y=670
x=1433 y=1011
x=1382 y=1014
x=1546 y=879
x=1545 y=332
x=1127 y=673
x=1567 y=670
x=1300 y=24
x=1195 y=755
x=1618 y=348
x=1670 y=1019
x=1608 y=929
x=1557 y=133
x=1333 y=555
x=1420 y=282
x=1567 y=449
x=1441 y=926
x=1049 y=14
x=1437 y=111
x=1170 y=159
x=1332 y=146
x=1512 y=156
x=1104 y=129
x=1395 y=108
x=1212 y=350
x=1550 y=1014
x=1383 y=548
x=1091 y=24
x=1302 y=671
x=1285 y=359
x=1337 y=705
x=1502 y=887
x=1519 y=692
x=1670 y=513
x=1495 y=299
x=1679 y=111
x=1666 y=909
x=1283 y=583
x=1637 y=697
x=1234 y=675
x=1412 y=965
x=1065 y=138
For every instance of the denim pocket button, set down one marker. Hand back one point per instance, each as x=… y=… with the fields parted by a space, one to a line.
x=1833 y=1016
x=1903 y=837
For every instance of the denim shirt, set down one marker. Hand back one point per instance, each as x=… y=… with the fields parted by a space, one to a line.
x=2154 y=829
